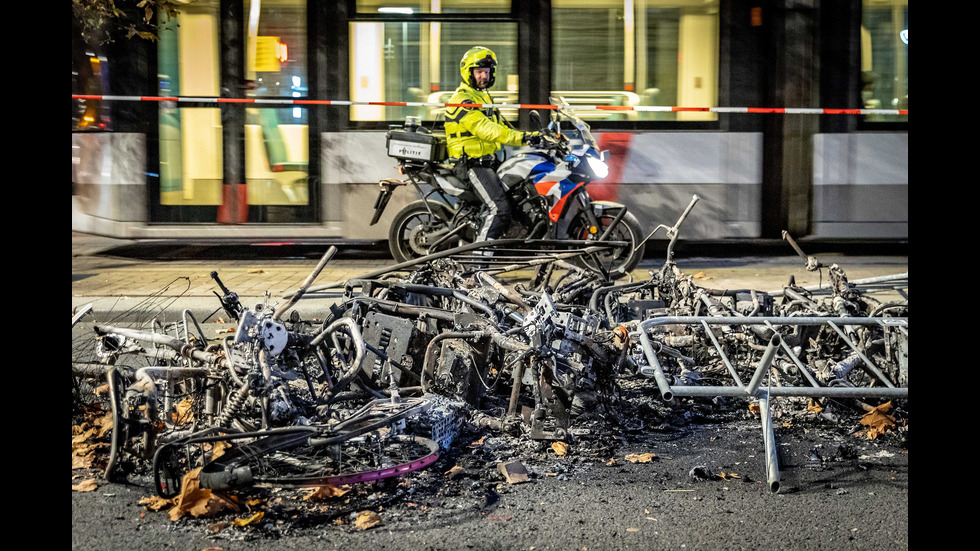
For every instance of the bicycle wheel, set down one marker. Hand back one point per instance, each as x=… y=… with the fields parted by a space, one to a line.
x=361 y=448
x=298 y=460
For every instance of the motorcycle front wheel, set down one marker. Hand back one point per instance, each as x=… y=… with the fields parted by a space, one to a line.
x=415 y=228
x=617 y=262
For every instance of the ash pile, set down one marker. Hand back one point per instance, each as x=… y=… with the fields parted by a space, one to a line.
x=486 y=363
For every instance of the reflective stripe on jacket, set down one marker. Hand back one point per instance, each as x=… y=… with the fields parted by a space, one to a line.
x=476 y=131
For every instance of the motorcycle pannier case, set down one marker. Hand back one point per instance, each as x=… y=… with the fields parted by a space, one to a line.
x=416 y=146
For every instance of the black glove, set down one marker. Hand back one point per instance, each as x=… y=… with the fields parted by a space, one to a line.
x=534 y=139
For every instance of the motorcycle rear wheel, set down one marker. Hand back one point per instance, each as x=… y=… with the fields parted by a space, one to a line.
x=408 y=237
x=620 y=261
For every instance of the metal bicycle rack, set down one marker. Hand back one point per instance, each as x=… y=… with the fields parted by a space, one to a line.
x=755 y=389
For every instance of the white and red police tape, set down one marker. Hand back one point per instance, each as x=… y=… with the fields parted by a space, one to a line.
x=647 y=108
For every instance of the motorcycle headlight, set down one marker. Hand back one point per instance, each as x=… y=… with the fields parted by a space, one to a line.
x=599 y=168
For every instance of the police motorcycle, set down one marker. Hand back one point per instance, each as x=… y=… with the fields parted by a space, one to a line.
x=547 y=185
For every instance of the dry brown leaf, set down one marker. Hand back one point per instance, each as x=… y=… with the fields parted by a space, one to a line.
x=81 y=437
x=560 y=448
x=814 y=406
x=701 y=275
x=641 y=457
x=101 y=390
x=728 y=476
x=479 y=442
x=82 y=462
x=454 y=472
x=85 y=486
x=218 y=527
x=612 y=462
x=754 y=408
x=246 y=521
x=184 y=412
x=227 y=330
x=155 y=503
x=197 y=501
x=367 y=519
x=878 y=421
x=219 y=448
x=326 y=492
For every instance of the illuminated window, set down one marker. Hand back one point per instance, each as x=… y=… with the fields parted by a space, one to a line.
x=410 y=7
x=636 y=52
x=190 y=138
x=276 y=139
x=885 y=57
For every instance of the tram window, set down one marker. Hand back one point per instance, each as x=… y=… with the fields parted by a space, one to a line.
x=419 y=62
x=885 y=57
x=636 y=52
x=409 y=7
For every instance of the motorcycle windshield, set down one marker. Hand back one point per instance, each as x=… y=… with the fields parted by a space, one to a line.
x=580 y=131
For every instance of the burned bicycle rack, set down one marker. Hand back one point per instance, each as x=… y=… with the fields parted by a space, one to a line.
x=494 y=257
x=755 y=389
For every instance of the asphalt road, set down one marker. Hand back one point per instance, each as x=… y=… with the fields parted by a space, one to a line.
x=859 y=501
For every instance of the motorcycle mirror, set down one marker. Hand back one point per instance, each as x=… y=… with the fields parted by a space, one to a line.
x=536 y=118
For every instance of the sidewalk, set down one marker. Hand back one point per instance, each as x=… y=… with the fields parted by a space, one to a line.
x=114 y=284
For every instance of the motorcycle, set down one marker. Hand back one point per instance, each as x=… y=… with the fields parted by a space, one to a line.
x=546 y=184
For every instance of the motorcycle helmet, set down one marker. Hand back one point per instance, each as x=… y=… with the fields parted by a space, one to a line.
x=478 y=56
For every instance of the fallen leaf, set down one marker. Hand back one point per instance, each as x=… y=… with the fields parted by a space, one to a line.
x=814 y=406
x=184 y=412
x=219 y=447
x=701 y=275
x=367 y=519
x=85 y=486
x=612 y=461
x=84 y=435
x=454 y=472
x=155 y=503
x=878 y=421
x=728 y=476
x=560 y=448
x=641 y=457
x=228 y=330
x=754 y=408
x=246 y=521
x=82 y=461
x=218 y=527
x=479 y=442
x=100 y=390
x=197 y=501
x=326 y=492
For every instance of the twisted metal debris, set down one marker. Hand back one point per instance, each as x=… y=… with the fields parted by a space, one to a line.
x=519 y=337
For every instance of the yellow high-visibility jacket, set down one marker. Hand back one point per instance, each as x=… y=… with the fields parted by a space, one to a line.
x=476 y=131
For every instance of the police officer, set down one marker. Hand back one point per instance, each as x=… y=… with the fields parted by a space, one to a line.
x=475 y=134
